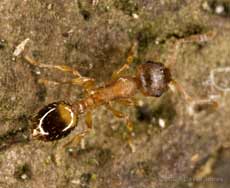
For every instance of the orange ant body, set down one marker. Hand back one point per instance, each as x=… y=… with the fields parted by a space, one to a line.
x=58 y=119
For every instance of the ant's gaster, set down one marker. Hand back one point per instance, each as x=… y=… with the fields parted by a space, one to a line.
x=58 y=119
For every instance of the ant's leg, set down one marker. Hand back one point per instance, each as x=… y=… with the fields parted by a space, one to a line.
x=77 y=138
x=88 y=120
x=129 y=60
x=95 y=2
x=75 y=141
x=194 y=104
x=174 y=86
x=80 y=136
x=85 y=82
x=129 y=124
x=62 y=68
x=82 y=81
x=171 y=60
x=127 y=102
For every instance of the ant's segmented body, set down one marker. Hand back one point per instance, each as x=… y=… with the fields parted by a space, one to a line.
x=58 y=119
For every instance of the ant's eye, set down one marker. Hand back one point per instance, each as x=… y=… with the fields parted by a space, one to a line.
x=54 y=121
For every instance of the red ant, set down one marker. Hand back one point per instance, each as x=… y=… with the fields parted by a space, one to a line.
x=58 y=119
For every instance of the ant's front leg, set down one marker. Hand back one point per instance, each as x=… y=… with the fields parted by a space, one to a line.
x=85 y=82
x=175 y=86
x=129 y=60
x=171 y=60
x=129 y=124
x=194 y=104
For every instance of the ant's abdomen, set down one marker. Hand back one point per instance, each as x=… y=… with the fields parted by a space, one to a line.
x=153 y=78
x=54 y=121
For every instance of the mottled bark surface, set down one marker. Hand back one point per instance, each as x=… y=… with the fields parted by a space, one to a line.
x=95 y=40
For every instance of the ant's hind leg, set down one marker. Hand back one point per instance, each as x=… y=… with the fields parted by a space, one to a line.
x=75 y=140
x=85 y=82
x=88 y=120
x=79 y=138
x=129 y=124
x=129 y=60
x=62 y=68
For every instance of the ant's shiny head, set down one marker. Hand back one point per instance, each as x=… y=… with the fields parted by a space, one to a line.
x=153 y=78
x=54 y=121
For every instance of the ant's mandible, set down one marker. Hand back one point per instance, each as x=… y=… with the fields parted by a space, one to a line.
x=58 y=119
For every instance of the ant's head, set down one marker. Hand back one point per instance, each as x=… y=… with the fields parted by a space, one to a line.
x=153 y=78
x=54 y=121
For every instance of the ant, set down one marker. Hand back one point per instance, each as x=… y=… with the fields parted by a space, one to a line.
x=58 y=119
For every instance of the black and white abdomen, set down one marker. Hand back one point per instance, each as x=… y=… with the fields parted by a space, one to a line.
x=54 y=121
x=153 y=78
